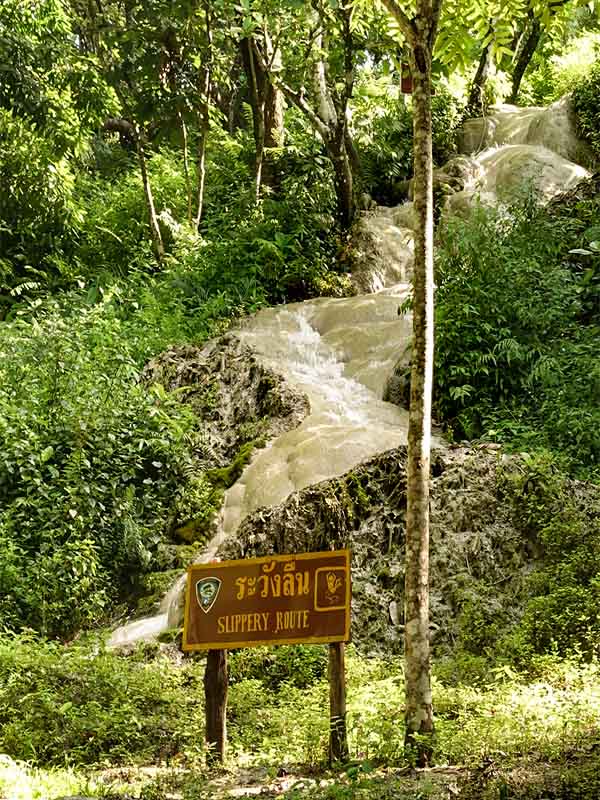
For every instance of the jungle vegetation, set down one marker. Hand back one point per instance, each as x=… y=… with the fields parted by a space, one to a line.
x=169 y=166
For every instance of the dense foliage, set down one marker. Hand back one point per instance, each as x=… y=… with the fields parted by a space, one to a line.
x=383 y=126
x=561 y=611
x=153 y=188
x=92 y=461
x=51 y=98
x=83 y=708
x=95 y=462
x=587 y=106
x=517 y=312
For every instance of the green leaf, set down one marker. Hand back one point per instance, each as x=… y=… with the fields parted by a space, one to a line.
x=46 y=454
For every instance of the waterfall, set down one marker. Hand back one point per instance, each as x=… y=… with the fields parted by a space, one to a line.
x=339 y=352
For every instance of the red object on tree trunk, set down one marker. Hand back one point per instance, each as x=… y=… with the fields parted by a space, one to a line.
x=406 y=81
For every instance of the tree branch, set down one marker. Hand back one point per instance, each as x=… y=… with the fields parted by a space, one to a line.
x=345 y=15
x=436 y=11
x=407 y=25
x=297 y=98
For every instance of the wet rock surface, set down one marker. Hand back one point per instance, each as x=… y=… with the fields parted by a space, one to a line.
x=242 y=405
x=236 y=397
x=397 y=386
x=382 y=249
x=553 y=127
x=479 y=560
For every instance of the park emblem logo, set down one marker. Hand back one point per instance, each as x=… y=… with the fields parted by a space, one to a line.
x=207 y=591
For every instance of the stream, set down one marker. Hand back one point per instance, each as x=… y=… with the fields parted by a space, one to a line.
x=340 y=352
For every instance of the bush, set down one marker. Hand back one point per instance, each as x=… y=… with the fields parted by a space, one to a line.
x=250 y=255
x=586 y=102
x=92 y=465
x=516 y=356
x=383 y=129
x=51 y=96
x=75 y=706
x=553 y=74
x=296 y=665
x=37 y=209
x=563 y=523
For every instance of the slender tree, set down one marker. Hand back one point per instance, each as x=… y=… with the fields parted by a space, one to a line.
x=539 y=20
x=326 y=105
x=205 y=87
x=476 y=99
x=420 y=33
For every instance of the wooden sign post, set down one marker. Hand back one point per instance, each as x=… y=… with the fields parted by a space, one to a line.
x=302 y=598
x=216 y=677
x=338 y=737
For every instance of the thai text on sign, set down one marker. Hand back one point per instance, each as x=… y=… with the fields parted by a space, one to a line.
x=290 y=599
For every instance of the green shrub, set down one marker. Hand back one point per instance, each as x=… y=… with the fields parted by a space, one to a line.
x=586 y=102
x=296 y=665
x=51 y=96
x=91 y=468
x=552 y=74
x=37 y=209
x=563 y=524
x=72 y=705
x=245 y=254
x=516 y=351
x=383 y=129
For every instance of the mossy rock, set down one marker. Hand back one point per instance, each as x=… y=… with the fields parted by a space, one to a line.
x=224 y=477
x=194 y=531
x=153 y=587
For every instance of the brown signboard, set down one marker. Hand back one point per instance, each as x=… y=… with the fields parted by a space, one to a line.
x=290 y=599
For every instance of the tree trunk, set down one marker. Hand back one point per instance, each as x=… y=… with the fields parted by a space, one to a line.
x=266 y=101
x=205 y=93
x=155 y=234
x=343 y=179
x=352 y=155
x=230 y=101
x=215 y=697
x=202 y=142
x=476 y=101
x=255 y=76
x=259 y=139
x=419 y=712
x=201 y=165
x=524 y=58
x=338 y=738
x=274 y=131
x=421 y=34
x=186 y=165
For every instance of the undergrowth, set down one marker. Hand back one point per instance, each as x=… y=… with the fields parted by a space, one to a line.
x=98 y=467
x=587 y=106
x=517 y=319
x=81 y=707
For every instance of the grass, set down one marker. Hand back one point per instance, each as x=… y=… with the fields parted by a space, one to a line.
x=545 y=719
x=21 y=781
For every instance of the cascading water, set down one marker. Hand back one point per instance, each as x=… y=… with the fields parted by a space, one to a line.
x=339 y=352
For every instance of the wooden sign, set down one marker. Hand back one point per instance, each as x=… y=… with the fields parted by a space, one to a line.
x=290 y=599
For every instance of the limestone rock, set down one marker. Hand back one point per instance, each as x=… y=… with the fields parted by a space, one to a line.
x=382 y=250
x=478 y=558
x=237 y=397
x=553 y=127
x=397 y=387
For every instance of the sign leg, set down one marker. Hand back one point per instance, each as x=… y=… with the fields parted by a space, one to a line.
x=338 y=739
x=215 y=696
